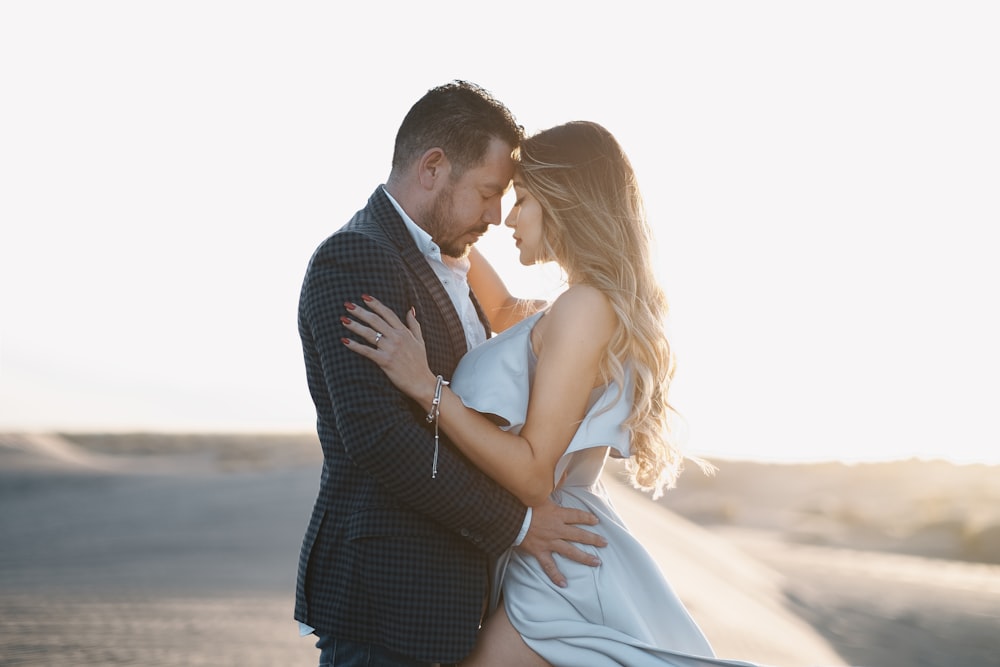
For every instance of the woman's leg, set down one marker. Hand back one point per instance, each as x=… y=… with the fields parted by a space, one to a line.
x=500 y=645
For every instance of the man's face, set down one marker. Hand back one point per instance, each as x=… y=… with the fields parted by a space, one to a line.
x=465 y=208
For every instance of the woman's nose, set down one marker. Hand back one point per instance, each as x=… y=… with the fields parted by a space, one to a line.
x=511 y=219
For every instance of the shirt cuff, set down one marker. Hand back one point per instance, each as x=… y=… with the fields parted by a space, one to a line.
x=524 y=529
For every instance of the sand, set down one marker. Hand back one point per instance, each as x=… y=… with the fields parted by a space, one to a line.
x=148 y=549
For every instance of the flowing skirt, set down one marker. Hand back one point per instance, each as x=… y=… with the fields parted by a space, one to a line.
x=623 y=612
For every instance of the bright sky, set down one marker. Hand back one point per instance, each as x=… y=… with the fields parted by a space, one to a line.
x=823 y=178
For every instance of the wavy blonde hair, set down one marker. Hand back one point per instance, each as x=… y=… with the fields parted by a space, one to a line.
x=596 y=229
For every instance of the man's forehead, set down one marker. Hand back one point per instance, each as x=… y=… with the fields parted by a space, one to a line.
x=493 y=175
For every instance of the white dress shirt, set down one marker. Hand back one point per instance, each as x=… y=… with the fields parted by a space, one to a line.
x=452 y=272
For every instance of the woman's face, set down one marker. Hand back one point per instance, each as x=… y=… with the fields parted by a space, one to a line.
x=525 y=218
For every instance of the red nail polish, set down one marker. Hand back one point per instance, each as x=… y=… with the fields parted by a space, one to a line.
x=366 y=298
x=349 y=306
x=345 y=320
x=345 y=341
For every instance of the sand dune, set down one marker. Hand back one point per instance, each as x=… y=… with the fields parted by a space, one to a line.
x=150 y=549
x=738 y=602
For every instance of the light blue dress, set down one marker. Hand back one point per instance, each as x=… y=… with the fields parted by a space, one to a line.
x=623 y=612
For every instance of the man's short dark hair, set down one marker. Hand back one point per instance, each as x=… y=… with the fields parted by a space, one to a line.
x=461 y=119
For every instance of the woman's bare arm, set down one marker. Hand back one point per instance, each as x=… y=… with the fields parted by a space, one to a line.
x=502 y=309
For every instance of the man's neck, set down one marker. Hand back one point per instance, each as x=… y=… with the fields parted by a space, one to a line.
x=405 y=200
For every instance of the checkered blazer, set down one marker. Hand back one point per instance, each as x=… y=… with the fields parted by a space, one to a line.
x=390 y=556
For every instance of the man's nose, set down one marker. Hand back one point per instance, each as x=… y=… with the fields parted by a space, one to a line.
x=493 y=214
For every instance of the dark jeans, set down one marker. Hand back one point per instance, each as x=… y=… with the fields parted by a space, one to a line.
x=335 y=652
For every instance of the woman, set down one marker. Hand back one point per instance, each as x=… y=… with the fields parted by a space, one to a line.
x=598 y=367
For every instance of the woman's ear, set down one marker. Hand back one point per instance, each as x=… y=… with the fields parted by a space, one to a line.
x=433 y=168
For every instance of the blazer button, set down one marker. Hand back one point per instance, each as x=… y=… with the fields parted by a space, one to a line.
x=465 y=532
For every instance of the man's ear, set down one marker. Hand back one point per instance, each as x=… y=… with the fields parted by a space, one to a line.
x=433 y=168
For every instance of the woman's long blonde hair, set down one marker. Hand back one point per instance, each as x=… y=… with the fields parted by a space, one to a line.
x=596 y=229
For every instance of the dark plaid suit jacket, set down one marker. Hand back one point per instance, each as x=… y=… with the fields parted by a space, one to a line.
x=390 y=556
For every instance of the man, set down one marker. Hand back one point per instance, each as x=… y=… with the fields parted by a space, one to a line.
x=394 y=564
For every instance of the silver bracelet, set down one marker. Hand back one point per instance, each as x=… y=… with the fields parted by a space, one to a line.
x=436 y=401
x=433 y=416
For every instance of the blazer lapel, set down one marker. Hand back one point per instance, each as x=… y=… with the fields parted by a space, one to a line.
x=482 y=316
x=387 y=216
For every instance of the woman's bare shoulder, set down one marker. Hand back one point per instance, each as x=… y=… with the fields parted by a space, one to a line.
x=582 y=308
x=583 y=299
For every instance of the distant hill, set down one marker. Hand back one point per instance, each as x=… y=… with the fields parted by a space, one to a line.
x=927 y=508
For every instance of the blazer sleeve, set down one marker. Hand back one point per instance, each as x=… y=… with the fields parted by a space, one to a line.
x=381 y=429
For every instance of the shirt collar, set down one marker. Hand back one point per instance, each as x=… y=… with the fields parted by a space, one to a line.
x=423 y=240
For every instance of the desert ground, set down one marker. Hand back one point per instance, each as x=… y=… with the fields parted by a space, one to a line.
x=167 y=549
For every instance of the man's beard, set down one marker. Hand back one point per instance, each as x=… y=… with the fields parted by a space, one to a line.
x=441 y=225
